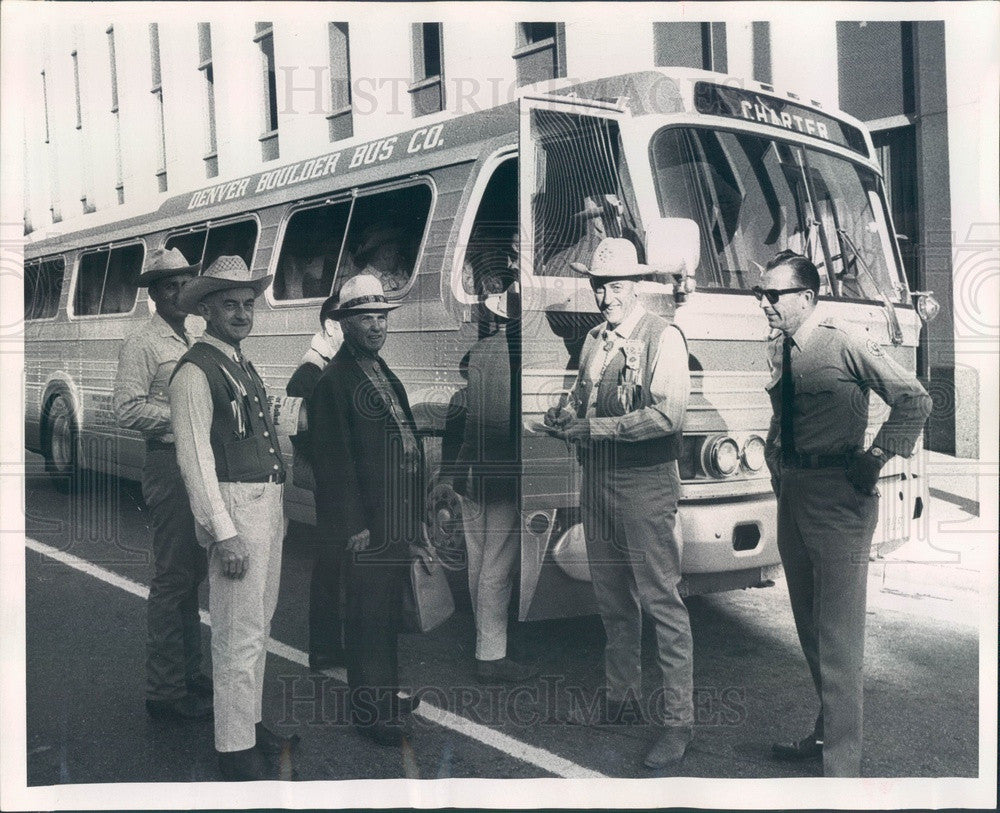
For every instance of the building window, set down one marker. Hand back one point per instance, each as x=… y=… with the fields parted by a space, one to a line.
x=540 y=51
x=208 y=85
x=112 y=57
x=427 y=89
x=691 y=45
x=269 y=137
x=45 y=105
x=107 y=281
x=761 y=45
x=157 y=91
x=341 y=118
x=876 y=94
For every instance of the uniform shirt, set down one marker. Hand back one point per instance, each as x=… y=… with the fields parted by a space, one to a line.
x=834 y=371
x=670 y=386
x=145 y=364
x=191 y=402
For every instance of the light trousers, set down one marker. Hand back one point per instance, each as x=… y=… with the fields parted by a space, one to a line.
x=241 y=611
x=492 y=547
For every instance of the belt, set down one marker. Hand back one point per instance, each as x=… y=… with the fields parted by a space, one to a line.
x=157 y=445
x=267 y=478
x=816 y=461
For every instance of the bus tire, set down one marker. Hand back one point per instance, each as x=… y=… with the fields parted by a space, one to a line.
x=61 y=441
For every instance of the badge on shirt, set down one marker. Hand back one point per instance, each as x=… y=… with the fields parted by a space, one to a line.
x=633 y=352
x=874 y=348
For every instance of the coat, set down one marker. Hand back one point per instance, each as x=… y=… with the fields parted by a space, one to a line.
x=355 y=449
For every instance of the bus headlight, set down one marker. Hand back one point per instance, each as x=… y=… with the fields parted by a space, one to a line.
x=753 y=453
x=721 y=456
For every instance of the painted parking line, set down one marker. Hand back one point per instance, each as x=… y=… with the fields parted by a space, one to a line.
x=511 y=746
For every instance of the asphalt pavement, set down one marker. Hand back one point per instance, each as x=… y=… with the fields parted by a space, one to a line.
x=86 y=638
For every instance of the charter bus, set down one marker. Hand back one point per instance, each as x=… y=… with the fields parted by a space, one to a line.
x=708 y=175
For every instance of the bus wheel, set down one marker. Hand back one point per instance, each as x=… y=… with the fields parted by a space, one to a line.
x=60 y=443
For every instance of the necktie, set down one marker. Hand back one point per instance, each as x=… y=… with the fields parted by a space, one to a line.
x=787 y=400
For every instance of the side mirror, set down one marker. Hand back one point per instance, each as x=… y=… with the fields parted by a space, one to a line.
x=673 y=246
x=927 y=306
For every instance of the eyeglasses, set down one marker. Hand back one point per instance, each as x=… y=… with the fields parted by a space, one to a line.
x=773 y=294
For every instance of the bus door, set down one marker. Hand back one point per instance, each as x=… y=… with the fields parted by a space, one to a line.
x=574 y=190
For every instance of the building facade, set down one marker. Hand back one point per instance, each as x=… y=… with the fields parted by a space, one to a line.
x=124 y=109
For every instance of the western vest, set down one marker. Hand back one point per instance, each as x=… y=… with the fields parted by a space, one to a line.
x=243 y=439
x=615 y=391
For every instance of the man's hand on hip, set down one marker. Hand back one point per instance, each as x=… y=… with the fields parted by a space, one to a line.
x=233 y=556
x=359 y=541
x=863 y=470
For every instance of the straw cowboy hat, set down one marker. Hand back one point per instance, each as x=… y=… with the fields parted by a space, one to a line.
x=359 y=294
x=507 y=303
x=225 y=273
x=614 y=257
x=165 y=262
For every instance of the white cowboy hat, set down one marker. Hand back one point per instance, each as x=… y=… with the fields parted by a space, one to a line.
x=165 y=262
x=614 y=257
x=362 y=293
x=226 y=272
x=506 y=304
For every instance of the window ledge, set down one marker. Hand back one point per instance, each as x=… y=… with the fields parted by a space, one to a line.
x=340 y=111
x=270 y=135
x=533 y=47
x=420 y=84
x=210 y=156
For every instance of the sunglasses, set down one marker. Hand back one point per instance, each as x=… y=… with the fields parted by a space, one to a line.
x=773 y=294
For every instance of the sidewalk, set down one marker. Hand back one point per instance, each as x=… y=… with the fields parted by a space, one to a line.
x=953 y=546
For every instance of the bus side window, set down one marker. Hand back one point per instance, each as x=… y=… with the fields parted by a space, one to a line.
x=309 y=251
x=90 y=283
x=191 y=245
x=231 y=239
x=490 y=263
x=48 y=289
x=120 y=287
x=383 y=237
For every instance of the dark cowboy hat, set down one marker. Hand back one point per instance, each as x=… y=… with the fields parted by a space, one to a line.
x=165 y=262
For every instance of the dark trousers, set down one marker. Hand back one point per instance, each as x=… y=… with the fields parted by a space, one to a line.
x=325 y=627
x=825 y=531
x=375 y=586
x=173 y=649
x=634 y=551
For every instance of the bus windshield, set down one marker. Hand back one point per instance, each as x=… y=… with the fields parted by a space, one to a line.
x=754 y=196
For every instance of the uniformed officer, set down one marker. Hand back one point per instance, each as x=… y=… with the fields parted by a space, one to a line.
x=825 y=481
x=176 y=688
x=625 y=412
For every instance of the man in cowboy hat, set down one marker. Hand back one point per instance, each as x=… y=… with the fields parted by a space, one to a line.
x=625 y=413
x=231 y=463
x=176 y=688
x=368 y=469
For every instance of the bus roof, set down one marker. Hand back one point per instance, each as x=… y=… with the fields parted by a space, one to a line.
x=440 y=140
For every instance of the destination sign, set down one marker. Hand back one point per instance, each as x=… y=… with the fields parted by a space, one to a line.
x=368 y=154
x=748 y=105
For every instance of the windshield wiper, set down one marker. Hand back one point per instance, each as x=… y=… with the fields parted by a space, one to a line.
x=895 y=331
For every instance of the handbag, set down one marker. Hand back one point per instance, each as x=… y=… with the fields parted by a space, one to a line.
x=428 y=602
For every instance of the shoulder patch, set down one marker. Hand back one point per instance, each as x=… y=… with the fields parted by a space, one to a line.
x=874 y=348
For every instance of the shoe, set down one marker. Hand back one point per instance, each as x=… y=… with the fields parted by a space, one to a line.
x=809 y=747
x=670 y=748
x=327 y=660
x=388 y=734
x=269 y=742
x=504 y=670
x=188 y=707
x=200 y=686
x=243 y=766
